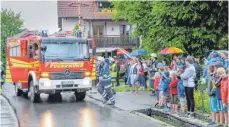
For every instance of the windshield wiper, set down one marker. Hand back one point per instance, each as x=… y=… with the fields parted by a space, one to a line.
x=76 y=59
x=58 y=59
x=54 y=58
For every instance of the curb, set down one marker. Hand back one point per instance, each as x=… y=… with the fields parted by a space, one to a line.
x=182 y=121
x=152 y=119
x=136 y=113
x=12 y=110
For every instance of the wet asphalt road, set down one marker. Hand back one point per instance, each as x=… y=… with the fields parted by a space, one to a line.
x=68 y=113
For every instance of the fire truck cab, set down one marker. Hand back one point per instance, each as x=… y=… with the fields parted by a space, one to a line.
x=49 y=65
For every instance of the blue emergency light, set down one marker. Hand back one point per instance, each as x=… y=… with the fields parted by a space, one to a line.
x=44 y=33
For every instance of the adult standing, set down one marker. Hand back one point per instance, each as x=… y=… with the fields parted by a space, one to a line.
x=127 y=71
x=142 y=79
x=178 y=63
x=134 y=79
x=188 y=78
x=146 y=74
x=153 y=70
x=3 y=74
x=117 y=70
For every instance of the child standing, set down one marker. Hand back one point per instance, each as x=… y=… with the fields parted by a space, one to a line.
x=134 y=75
x=224 y=93
x=166 y=91
x=141 y=75
x=161 y=68
x=173 y=92
x=156 y=84
x=213 y=100
x=181 y=93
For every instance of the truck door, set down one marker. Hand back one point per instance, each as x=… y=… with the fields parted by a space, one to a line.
x=18 y=61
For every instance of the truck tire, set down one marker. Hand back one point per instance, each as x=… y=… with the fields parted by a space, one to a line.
x=80 y=95
x=34 y=97
x=18 y=91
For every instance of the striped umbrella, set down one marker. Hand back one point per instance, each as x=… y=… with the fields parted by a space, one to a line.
x=170 y=50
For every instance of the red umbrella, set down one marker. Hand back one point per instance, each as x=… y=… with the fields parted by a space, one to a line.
x=170 y=50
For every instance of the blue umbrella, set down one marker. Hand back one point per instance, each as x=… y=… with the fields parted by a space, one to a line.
x=139 y=52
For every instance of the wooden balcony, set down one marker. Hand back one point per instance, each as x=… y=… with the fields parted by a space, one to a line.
x=116 y=41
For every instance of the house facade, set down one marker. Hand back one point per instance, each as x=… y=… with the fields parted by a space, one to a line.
x=94 y=17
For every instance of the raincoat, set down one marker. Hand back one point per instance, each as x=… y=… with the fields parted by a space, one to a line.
x=224 y=89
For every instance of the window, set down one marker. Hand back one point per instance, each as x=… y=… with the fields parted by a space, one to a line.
x=98 y=30
x=104 y=6
x=15 y=51
x=124 y=30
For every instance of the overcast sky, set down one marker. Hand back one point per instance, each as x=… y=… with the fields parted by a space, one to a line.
x=37 y=15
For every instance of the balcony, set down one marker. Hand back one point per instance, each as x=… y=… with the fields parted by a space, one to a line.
x=116 y=41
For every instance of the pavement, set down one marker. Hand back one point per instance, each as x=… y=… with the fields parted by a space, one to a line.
x=129 y=101
x=8 y=117
x=88 y=113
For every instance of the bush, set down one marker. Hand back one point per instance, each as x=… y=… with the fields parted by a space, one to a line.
x=198 y=101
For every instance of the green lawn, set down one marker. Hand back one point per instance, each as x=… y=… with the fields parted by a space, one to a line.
x=124 y=89
x=122 y=83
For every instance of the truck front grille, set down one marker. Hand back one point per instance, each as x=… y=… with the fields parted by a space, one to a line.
x=73 y=75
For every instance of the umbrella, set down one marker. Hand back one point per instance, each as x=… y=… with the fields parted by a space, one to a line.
x=140 y=52
x=170 y=50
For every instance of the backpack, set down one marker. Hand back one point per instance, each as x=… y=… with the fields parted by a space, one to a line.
x=213 y=91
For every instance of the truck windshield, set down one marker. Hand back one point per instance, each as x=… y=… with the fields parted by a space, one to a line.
x=66 y=51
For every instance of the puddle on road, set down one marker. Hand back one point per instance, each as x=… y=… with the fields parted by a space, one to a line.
x=47 y=120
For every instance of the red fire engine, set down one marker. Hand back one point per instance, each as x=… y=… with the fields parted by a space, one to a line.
x=50 y=65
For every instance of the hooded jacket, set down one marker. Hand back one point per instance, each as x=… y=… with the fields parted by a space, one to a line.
x=166 y=81
x=224 y=89
x=189 y=76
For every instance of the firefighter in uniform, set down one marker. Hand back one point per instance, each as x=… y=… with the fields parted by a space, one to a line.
x=105 y=81
x=3 y=74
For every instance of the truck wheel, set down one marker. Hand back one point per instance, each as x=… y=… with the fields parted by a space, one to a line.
x=17 y=90
x=34 y=97
x=80 y=96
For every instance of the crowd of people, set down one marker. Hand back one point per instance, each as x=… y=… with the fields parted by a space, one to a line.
x=174 y=84
x=170 y=84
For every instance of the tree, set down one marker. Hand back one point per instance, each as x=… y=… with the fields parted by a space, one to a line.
x=194 y=26
x=11 y=24
x=75 y=29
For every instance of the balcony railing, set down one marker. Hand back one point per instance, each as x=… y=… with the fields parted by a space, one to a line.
x=113 y=41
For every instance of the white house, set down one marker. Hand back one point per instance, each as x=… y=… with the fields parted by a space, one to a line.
x=95 y=21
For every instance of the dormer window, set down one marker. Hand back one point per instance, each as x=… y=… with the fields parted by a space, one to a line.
x=104 y=6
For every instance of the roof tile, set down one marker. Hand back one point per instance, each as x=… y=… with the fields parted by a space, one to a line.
x=68 y=8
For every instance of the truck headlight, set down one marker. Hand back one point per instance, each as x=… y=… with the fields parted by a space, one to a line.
x=87 y=81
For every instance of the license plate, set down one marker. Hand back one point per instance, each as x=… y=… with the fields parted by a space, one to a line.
x=67 y=82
